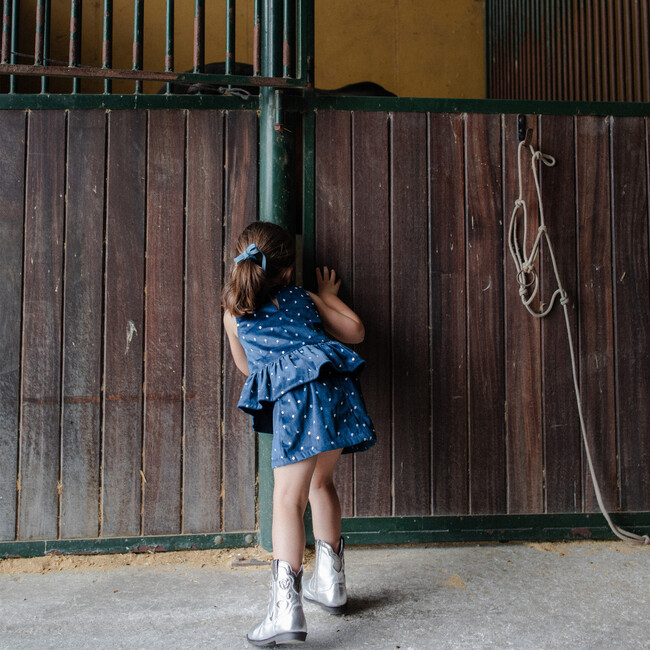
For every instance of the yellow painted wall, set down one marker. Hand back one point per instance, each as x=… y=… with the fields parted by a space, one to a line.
x=417 y=48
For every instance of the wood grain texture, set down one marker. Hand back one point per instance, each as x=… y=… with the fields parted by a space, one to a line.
x=163 y=372
x=632 y=308
x=203 y=282
x=371 y=270
x=562 y=443
x=333 y=233
x=597 y=372
x=239 y=443
x=123 y=323
x=82 y=326
x=447 y=306
x=485 y=316
x=43 y=290
x=410 y=315
x=12 y=209
x=522 y=341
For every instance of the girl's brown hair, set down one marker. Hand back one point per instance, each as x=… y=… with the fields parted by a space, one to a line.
x=249 y=285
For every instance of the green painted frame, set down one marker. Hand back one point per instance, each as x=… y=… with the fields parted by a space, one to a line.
x=363 y=531
x=105 y=545
x=307 y=101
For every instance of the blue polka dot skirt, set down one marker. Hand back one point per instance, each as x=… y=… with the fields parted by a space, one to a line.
x=325 y=414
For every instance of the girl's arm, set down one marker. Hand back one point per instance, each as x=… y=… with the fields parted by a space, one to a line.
x=338 y=319
x=236 y=348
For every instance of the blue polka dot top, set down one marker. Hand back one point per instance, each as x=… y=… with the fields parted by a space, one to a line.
x=286 y=347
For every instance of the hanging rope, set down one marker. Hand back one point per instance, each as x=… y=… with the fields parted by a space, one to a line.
x=528 y=281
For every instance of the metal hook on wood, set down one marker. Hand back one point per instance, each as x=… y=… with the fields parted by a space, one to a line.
x=523 y=133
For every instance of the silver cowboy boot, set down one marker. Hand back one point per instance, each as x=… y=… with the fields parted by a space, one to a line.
x=326 y=587
x=285 y=621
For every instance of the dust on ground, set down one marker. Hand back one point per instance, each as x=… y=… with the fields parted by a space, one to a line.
x=250 y=557
x=568 y=547
x=219 y=558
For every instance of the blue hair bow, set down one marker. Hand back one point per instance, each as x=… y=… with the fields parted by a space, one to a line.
x=250 y=252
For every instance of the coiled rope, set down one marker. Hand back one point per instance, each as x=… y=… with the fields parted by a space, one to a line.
x=528 y=281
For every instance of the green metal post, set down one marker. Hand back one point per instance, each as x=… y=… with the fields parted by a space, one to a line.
x=75 y=40
x=107 y=43
x=230 y=37
x=138 y=35
x=169 y=40
x=15 y=13
x=276 y=201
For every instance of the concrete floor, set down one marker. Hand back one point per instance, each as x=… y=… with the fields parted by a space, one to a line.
x=570 y=595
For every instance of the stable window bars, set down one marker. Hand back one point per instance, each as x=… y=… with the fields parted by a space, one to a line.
x=285 y=62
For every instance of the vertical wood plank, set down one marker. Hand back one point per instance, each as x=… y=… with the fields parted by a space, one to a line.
x=486 y=359
x=239 y=442
x=371 y=245
x=163 y=372
x=203 y=263
x=123 y=323
x=12 y=209
x=333 y=189
x=82 y=327
x=562 y=443
x=448 y=317
x=410 y=317
x=43 y=289
x=596 y=306
x=524 y=452
x=632 y=308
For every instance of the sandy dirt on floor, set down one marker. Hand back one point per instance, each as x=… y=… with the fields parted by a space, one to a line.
x=221 y=558
x=240 y=557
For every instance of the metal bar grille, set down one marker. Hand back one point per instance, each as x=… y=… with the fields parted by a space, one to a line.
x=293 y=42
x=230 y=37
x=138 y=36
x=6 y=31
x=75 y=39
x=169 y=38
x=573 y=50
x=199 y=35
x=107 y=42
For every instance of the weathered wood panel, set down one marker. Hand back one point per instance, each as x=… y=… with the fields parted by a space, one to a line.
x=632 y=307
x=163 y=375
x=82 y=329
x=94 y=461
x=239 y=443
x=411 y=210
x=12 y=209
x=333 y=188
x=449 y=398
x=522 y=344
x=123 y=324
x=493 y=367
x=563 y=446
x=203 y=270
x=485 y=326
x=410 y=315
x=42 y=300
x=371 y=243
x=596 y=304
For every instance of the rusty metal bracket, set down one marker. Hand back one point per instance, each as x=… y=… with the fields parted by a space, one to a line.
x=524 y=134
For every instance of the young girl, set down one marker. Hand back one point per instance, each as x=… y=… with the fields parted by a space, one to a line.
x=302 y=387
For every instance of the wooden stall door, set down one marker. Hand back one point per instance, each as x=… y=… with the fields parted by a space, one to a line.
x=117 y=406
x=472 y=398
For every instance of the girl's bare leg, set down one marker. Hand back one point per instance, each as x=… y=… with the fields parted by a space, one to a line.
x=325 y=505
x=290 y=495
